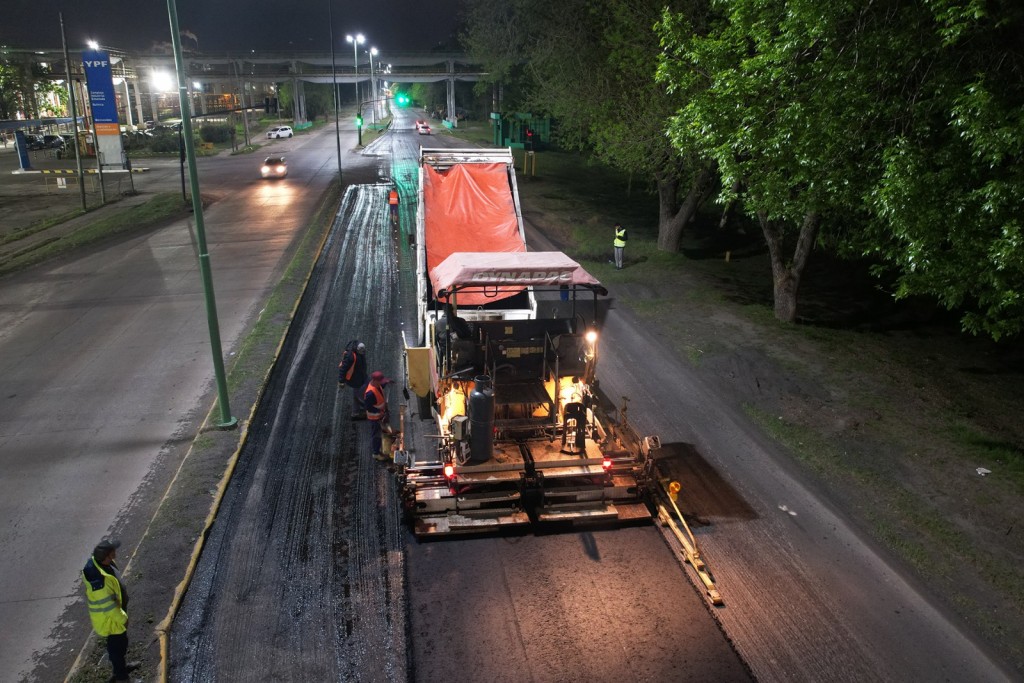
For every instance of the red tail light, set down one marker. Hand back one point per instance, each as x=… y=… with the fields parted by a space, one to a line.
x=606 y=464
x=449 y=471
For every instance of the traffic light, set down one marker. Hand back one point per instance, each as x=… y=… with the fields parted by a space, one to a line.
x=401 y=99
x=359 y=121
x=529 y=139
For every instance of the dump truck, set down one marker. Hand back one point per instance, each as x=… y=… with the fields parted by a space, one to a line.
x=519 y=434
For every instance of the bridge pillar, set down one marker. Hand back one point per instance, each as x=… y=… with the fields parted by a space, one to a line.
x=299 y=103
x=452 y=118
x=138 y=103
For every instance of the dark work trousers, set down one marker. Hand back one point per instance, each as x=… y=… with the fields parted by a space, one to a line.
x=375 y=435
x=117 y=651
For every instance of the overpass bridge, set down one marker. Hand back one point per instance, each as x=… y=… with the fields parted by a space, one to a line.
x=240 y=80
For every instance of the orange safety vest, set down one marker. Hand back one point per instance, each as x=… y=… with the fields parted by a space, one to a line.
x=379 y=403
x=393 y=198
x=352 y=368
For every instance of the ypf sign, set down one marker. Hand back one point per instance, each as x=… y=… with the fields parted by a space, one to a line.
x=103 y=105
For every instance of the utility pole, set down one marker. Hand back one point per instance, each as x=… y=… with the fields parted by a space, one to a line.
x=334 y=85
x=74 y=111
x=226 y=419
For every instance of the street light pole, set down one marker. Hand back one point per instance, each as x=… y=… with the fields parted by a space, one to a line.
x=226 y=419
x=356 y=41
x=373 y=89
x=334 y=85
x=74 y=112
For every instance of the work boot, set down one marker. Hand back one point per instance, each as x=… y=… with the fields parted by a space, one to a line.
x=358 y=416
x=382 y=457
x=133 y=666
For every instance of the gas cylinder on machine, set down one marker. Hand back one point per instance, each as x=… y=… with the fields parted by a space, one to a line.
x=481 y=420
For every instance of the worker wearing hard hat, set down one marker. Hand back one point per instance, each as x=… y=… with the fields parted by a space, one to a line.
x=376 y=404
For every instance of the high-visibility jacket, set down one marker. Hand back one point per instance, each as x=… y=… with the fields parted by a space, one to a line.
x=352 y=369
x=376 y=404
x=105 y=598
x=393 y=198
x=620 y=237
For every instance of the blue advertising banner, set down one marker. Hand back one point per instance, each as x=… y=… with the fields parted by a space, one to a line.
x=101 y=87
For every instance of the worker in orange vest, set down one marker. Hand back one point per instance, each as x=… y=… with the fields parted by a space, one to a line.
x=352 y=372
x=376 y=404
x=393 y=205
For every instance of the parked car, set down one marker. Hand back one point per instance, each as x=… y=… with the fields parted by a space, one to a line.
x=53 y=142
x=34 y=142
x=274 y=167
x=279 y=132
x=423 y=129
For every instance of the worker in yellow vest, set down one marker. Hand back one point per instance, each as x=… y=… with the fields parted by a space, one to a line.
x=619 y=244
x=108 y=605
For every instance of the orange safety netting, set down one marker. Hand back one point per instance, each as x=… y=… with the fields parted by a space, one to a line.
x=469 y=207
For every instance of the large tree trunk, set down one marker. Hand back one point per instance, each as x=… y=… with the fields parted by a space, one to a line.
x=786 y=276
x=672 y=220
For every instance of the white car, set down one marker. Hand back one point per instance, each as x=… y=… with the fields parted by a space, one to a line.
x=422 y=129
x=279 y=132
x=274 y=167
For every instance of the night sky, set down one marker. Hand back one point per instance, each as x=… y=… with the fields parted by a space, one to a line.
x=229 y=25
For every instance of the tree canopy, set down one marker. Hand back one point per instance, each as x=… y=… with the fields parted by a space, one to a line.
x=887 y=129
x=897 y=114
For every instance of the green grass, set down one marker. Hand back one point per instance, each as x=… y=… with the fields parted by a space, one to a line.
x=39 y=226
x=160 y=208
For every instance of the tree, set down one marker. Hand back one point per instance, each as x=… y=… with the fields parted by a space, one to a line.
x=12 y=89
x=948 y=200
x=776 y=101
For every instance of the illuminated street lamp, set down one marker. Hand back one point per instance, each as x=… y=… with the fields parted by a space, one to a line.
x=373 y=89
x=356 y=41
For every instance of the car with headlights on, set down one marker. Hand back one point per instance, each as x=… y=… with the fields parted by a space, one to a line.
x=423 y=129
x=274 y=167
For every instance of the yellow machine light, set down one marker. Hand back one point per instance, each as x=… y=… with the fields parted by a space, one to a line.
x=591 y=336
x=673 y=490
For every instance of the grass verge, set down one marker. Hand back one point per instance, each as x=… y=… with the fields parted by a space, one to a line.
x=160 y=208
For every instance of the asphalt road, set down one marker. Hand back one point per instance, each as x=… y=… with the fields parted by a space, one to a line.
x=105 y=368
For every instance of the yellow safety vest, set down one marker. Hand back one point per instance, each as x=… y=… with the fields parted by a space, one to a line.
x=620 y=238
x=105 y=604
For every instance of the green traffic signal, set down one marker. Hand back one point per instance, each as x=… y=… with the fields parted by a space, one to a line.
x=402 y=99
x=359 y=122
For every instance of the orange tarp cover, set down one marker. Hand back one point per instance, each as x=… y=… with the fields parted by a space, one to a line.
x=469 y=207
